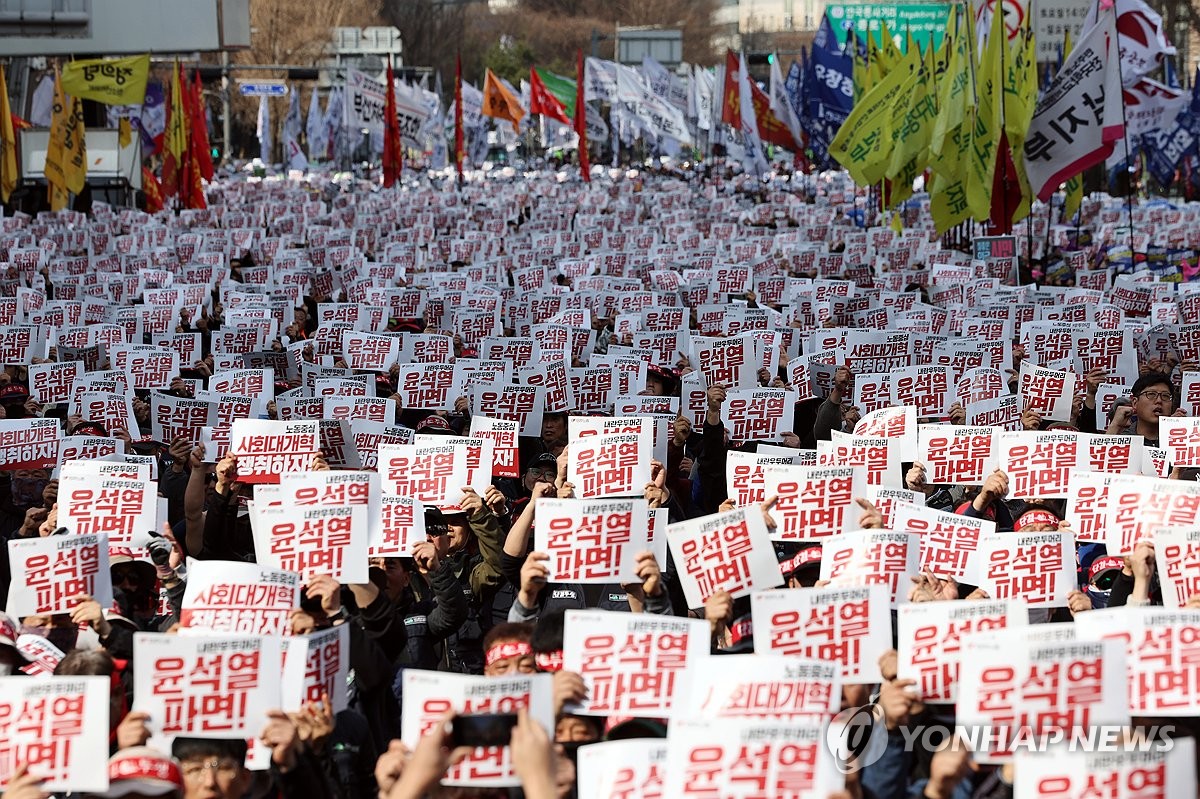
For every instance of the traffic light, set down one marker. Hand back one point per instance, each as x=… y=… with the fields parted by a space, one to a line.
x=771 y=58
x=758 y=59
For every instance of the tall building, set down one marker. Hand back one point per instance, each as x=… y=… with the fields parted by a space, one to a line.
x=777 y=16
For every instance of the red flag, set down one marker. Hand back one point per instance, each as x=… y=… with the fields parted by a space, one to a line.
x=770 y=128
x=731 y=110
x=1006 y=189
x=393 y=146
x=585 y=168
x=458 y=116
x=153 y=191
x=200 y=145
x=541 y=101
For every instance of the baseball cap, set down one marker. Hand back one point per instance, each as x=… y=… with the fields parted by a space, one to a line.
x=14 y=393
x=143 y=770
x=545 y=459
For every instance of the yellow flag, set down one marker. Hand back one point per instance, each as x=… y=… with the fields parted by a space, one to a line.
x=863 y=144
x=954 y=98
x=124 y=132
x=888 y=50
x=989 y=100
x=876 y=64
x=115 y=81
x=8 y=144
x=66 y=154
x=913 y=115
x=948 y=193
x=859 y=76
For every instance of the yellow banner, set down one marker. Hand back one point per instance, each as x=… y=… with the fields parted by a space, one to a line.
x=117 y=81
x=66 y=154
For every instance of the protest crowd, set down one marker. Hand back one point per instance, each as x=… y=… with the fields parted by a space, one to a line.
x=295 y=484
x=691 y=479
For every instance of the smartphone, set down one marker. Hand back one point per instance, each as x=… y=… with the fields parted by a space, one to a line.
x=484 y=729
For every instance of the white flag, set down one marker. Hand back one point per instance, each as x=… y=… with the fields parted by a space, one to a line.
x=292 y=125
x=754 y=160
x=781 y=106
x=1143 y=41
x=264 y=129
x=1078 y=119
x=315 y=129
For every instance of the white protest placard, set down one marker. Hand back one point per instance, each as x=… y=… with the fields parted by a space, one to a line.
x=147 y=367
x=315 y=669
x=1002 y=412
x=29 y=443
x=813 y=502
x=1016 y=685
x=126 y=510
x=949 y=541
x=1177 y=556
x=880 y=457
x=765 y=686
x=268 y=449
x=614 y=465
x=868 y=557
x=621 y=768
x=745 y=474
x=728 y=362
x=930 y=634
x=86 y=448
x=1114 y=454
x=58 y=728
x=335 y=487
x=524 y=404
x=886 y=500
x=1162 y=770
x=849 y=627
x=174 y=417
x=429 y=695
x=432 y=475
x=1180 y=437
x=52 y=382
x=206 y=686
x=633 y=664
x=1047 y=391
x=48 y=573
x=1039 y=464
x=760 y=414
x=313 y=540
x=503 y=434
x=368 y=351
x=427 y=386
x=956 y=455
x=723 y=552
x=1159 y=648
x=591 y=540
x=926 y=388
x=1087 y=505
x=234 y=597
x=479 y=457
x=1036 y=567
x=898 y=423
x=1138 y=506
x=872 y=392
x=712 y=757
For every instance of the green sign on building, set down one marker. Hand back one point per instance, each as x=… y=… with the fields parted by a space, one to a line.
x=926 y=21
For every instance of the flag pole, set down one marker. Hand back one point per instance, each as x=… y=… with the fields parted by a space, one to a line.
x=1125 y=131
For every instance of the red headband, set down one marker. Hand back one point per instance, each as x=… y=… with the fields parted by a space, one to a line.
x=549 y=661
x=506 y=650
x=1035 y=517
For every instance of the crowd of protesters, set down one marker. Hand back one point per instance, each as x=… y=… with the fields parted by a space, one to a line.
x=474 y=598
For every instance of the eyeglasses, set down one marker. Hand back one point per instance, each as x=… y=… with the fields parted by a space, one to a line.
x=225 y=767
x=1165 y=396
x=542 y=473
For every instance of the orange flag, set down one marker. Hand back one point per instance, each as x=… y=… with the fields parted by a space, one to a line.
x=153 y=191
x=500 y=103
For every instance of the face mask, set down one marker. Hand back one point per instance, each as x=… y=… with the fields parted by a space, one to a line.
x=27 y=491
x=62 y=637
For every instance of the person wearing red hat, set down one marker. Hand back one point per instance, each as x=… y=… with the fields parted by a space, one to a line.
x=140 y=772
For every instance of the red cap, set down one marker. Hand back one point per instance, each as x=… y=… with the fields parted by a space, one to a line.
x=145 y=771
